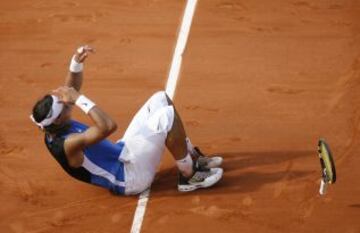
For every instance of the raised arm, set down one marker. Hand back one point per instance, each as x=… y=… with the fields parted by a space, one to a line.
x=74 y=77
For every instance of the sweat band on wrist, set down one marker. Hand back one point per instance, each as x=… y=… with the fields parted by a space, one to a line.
x=84 y=103
x=75 y=67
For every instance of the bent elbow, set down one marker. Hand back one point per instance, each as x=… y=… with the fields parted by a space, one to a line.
x=113 y=127
x=107 y=129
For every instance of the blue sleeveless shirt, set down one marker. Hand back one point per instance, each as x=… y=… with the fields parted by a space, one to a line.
x=101 y=165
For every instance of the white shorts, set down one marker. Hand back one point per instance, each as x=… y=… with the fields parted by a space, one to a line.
x=145 y=142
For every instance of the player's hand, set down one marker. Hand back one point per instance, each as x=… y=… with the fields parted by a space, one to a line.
x=67 y=95
x=82 y=53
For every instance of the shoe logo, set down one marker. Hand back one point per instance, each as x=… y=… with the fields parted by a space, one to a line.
x=85 y=104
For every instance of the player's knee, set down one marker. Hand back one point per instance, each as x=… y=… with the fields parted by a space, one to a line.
x=158 y=100
x=162 y=121
x=159 y=95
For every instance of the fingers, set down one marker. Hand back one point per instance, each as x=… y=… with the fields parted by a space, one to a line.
x=61 y=91
x=61 y=95
x=83 y=52
x=82 y=57
x=88 y=48
x=58 y=93
x=85 y=49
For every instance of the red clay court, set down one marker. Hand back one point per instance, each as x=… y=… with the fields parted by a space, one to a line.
x=261 y=82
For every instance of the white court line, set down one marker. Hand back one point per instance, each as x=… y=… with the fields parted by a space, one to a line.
x=170 y=90
x=140 y=211
x=180 y=48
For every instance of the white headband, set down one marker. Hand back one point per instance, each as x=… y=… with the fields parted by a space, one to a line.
x=54 y=113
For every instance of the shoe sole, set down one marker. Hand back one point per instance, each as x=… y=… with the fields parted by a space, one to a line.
x=208 y=182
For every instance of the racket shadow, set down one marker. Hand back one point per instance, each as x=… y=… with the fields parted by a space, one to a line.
x=355 y=206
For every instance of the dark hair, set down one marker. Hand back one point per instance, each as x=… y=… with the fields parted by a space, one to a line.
x=41 y=109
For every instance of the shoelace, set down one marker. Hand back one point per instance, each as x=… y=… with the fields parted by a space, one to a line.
x=200 y=175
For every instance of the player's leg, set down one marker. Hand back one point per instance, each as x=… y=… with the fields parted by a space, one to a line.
x=155 y=125
x=144 y=144
x=156 y=102
x=191 y=176
x=178 y=146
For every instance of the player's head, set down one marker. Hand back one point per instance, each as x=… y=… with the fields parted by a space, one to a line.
x=50 y=114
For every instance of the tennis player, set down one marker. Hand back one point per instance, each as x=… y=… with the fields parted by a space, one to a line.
x=128 y=166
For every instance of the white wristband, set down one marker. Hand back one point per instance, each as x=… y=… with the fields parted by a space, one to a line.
x=75 y=67
x=84 y=103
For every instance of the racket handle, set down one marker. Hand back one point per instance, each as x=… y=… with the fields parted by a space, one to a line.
x=323 y=186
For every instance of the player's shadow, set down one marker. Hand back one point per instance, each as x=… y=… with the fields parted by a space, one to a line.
x=243 y=172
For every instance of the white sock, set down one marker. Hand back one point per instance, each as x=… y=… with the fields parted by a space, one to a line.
x=189 y=145
x=185 y=165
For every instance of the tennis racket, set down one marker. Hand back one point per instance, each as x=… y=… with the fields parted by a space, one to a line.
x=328 y=171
